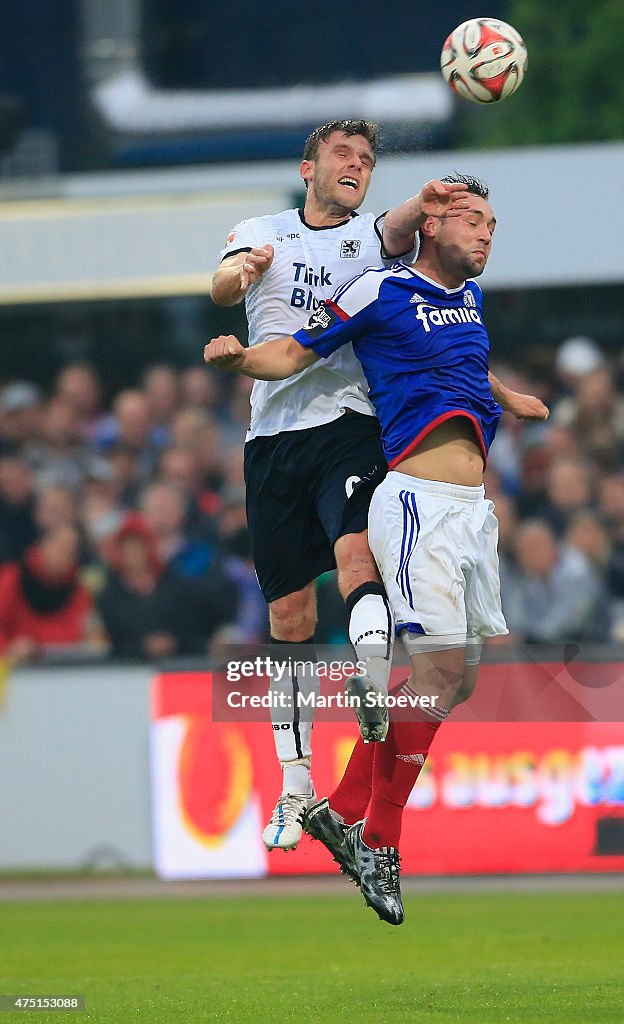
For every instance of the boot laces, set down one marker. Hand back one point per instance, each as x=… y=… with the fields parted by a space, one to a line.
x=388 y=864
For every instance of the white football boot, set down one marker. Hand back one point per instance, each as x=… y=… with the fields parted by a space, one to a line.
x=286 y=825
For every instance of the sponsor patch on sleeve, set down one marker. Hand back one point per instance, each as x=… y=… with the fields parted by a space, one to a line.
x=325 y=315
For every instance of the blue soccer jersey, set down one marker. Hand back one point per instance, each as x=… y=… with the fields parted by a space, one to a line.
x=424 y=349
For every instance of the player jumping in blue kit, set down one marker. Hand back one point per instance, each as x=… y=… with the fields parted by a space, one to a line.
x=419 y=334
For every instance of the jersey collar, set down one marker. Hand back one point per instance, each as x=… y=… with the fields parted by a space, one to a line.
x=325 y=227
x=436 y=284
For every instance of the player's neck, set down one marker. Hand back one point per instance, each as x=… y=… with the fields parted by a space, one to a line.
x=431 y=268
x=323 y=215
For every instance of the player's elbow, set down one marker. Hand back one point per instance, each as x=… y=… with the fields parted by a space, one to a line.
x=220 y=294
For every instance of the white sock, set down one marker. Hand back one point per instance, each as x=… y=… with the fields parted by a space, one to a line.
x=294 y=679
x=297 y=778
x=371 y=632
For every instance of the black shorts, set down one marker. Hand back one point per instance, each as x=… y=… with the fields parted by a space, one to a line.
x=305 y=489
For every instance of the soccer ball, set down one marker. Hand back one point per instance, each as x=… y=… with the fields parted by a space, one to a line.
x=484 y=60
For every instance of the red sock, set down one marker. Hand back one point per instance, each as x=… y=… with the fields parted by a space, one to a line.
x=351 y=795
x=397 y=765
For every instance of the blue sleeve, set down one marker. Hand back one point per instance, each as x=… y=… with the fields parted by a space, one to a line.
x=350 y=313
x=329 y=327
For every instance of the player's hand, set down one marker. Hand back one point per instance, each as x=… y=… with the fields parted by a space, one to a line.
x=442 y=199
x=526 y=407
x=226 y=352
x=255 y=264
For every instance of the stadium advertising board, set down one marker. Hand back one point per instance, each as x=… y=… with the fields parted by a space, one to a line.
x=495 y=796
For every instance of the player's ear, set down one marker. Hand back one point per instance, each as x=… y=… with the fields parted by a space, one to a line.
x=430 y=227
x=306 y=170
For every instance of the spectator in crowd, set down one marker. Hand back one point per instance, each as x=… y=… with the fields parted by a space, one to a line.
x=535 y=463
x=101 y=513
x=164 y=508
x=78 y=384
x=187 y=426
x=56 y=506
x=181 y=467
x=587 y=534
x=161 y=387
x=43 y=605
x=568 y=492
x=101 y=506
x=560 y=443
x=20 y=418
x=18 y=529
x=575 y=357
x=130 y=430
x=149 y=612
x=598 y=420
x=60 y=457
x=554 y=594
x=211 y=456
x=200 y=389
x=128 y=473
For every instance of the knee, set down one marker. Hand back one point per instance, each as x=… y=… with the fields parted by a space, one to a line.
x=293 y=617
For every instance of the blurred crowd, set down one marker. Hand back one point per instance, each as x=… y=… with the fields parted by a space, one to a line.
x=122 y=524
x=558 y=487
x=123 y=530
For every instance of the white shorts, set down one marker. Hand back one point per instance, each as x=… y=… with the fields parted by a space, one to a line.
x=436 y=548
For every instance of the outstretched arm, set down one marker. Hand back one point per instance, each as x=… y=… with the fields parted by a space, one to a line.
x=523 y=407
x=435 y=199
x=271 y=360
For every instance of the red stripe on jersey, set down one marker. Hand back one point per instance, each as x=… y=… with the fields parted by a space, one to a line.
x=337 y=310
x=436 y=423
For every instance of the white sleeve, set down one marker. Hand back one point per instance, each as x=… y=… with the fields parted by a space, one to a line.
x=407 y=257
x=241 y=238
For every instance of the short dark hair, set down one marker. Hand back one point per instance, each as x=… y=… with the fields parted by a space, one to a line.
x=473 y=185
x=368 y=129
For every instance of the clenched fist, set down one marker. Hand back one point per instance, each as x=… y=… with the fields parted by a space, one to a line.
x=226 y=352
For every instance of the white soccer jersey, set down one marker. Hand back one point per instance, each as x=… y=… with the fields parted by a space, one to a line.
x=309 y=264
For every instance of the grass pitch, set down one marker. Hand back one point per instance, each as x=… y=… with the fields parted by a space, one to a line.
x=479 y=959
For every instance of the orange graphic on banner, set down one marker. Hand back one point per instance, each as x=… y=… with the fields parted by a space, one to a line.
x=214 y=778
